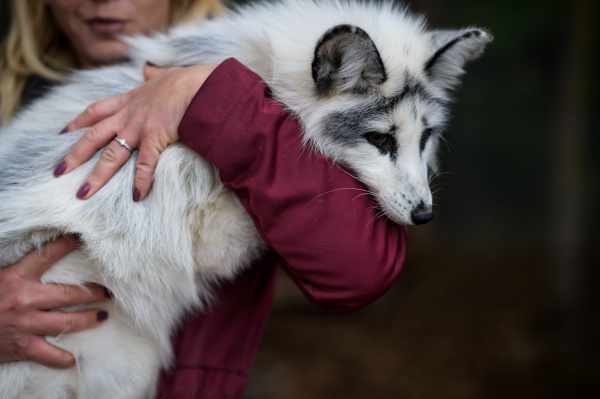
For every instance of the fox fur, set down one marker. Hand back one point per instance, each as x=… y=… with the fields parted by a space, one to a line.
x=367 y=80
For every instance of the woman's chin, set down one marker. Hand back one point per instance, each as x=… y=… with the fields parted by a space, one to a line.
x=104 y=53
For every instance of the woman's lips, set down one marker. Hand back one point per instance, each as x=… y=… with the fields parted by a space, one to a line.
x=106 y=26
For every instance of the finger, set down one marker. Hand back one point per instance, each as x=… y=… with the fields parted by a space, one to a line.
x=97 y=112
x=36 y=263
x=151 y=71
x=93 y=139
x=56 y=322
x=113 y=157
x=54 y=296
x=144 y=171
x=45 y=354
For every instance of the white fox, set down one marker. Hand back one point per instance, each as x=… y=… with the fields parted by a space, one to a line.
x=369 y=84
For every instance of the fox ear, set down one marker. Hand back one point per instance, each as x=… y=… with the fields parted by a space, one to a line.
x=454 y=50
x=346 y=60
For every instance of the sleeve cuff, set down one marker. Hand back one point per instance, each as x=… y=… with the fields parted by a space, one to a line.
x=214 y=103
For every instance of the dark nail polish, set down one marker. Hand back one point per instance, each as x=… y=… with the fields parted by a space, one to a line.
x=102 y=315
x=136 y=195
x=65 y=130
x=107 y=293
x=150 y=64
x=60 y=169
x=83 y=190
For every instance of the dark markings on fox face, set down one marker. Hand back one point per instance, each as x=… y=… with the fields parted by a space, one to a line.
x=427 y=132
x=352 y=126
x=424 y=138
x=414 y=89
x=385 y=142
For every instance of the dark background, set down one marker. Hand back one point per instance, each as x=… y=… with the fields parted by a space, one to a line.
x=4 y=17
x=498 y=296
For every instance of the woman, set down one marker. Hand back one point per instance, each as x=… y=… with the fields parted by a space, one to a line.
x=341 y=257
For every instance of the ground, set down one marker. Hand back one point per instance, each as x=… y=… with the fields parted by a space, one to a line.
x=456 y=325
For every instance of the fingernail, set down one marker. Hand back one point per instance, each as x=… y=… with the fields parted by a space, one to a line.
x=107 y=293
x=75 y=238
x=136 y=195
x=60 y=169
x=65 y=130
x=83 y=190
x=150 y=64
x=102 y=315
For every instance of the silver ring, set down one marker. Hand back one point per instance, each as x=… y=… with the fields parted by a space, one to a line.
x=123 y=143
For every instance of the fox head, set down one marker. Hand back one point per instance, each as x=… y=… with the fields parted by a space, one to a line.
x=383 y=119
x=366 y=79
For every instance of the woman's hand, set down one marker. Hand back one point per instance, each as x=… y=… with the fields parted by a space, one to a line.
x=146 y=117
x=25 y=303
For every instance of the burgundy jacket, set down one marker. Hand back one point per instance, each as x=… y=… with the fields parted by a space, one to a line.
x=320 y=229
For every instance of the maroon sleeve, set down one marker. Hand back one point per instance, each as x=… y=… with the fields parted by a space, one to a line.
x=312 y=213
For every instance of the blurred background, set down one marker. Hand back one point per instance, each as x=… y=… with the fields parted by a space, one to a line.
x=498 y=296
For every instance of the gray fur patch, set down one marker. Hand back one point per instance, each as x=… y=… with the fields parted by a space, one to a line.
x=348 y=126
x=204 y=48
x=413 y=89
x=346 y=59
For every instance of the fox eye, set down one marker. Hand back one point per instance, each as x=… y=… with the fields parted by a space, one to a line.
x=377 y=139
x=384 y=142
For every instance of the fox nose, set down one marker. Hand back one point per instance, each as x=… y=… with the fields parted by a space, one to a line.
x=421 y=214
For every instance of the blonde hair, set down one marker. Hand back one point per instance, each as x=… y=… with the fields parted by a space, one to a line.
x=35 y=46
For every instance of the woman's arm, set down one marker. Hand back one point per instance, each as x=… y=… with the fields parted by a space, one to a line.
x=316 y=217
